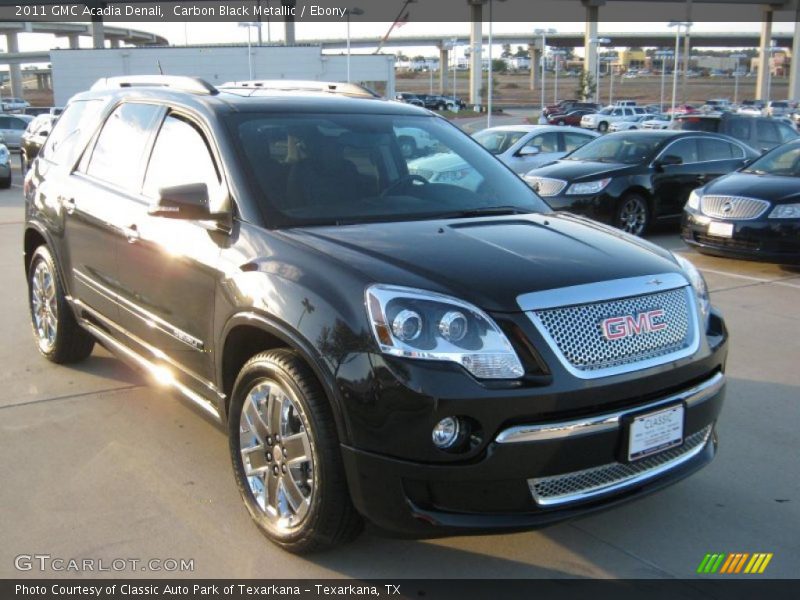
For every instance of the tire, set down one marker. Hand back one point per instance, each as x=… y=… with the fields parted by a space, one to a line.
x=602 y=127
x=297 y=494
x=408 y=147
x=58 y=336
x=633 y=215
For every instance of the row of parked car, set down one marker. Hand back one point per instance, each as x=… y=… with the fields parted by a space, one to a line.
x=431 y=101
x=23 y=133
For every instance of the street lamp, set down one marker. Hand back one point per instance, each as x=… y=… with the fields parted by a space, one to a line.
x=664 y=54
x=598 y=42
x=770 y=49
x=356 y=12
x=736 y=76
x=544 y=33
x=452 y=45
x=677 y=25
x=249 y=25
x=557 y=54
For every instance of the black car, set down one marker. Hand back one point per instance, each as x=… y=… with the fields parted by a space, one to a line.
x=33 y=137
x=753 y=213
x=408 y=98
x=632 y=179
x=760 y=133
x=433 y=359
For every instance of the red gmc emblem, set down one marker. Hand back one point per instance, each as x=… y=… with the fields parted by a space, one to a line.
x=616 y=328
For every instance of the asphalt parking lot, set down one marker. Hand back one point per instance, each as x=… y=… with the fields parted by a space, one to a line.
x=99 y=463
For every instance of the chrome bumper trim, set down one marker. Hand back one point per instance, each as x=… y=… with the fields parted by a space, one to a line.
x=609 y=421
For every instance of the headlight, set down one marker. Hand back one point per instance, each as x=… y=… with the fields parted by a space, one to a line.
x=588 y=187
x=428 y=326
x=698 y=285
x=785 y=211
x=456 y=175
x=694 y=200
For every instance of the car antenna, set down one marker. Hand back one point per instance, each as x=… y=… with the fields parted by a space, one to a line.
x=160 y=70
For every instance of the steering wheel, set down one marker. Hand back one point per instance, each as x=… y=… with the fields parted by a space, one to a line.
x=404 y=181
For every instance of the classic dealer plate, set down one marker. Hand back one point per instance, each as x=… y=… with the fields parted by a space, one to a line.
x=655 y=431
x=720 y=229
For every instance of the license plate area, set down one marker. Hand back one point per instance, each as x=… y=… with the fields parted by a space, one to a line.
x=718 y=229
x=654 y=431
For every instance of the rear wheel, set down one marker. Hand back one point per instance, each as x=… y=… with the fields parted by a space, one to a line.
x=633 y=215
x=602 y=127
x=58 y=336
x=286 y=456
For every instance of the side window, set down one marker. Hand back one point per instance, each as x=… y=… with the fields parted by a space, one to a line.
x=616 y=112
x=715 y=149
x=5 y=123
x=121 y=144
x=786 y=132
x=739 y=128
x=546 y=142
x=63 y=139
x=180 y=156
x=18 y=124
x=767 y=133
x=575 y=140
x=685 y=148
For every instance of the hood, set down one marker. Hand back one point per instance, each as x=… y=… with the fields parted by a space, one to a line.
x=775 y=188
x=579 y=170
x=488 y=261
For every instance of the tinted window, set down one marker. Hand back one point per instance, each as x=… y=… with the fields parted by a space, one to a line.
x=575 y=140
x=767 y=133
x=63 y=139
x=714 y=149
x=4 y=123
x=686 y=149
x=786 y=132
x=696 y=124
x=180 y=156
x=121 y=144
x=618 y=148
x=496 y=141
x=784 y=160
x=738 y=128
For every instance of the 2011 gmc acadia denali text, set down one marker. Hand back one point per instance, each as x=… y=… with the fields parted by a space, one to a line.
x=434 y=359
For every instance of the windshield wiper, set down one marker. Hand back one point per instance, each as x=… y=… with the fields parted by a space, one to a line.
x=486 y=211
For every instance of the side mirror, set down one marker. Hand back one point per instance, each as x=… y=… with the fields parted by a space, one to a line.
x=188 y=201
x=667 y=160
x=43 y=134
x=529 y=150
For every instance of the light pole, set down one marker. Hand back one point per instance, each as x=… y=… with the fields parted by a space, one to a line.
x=452 y=46
x=249 y=25
x=543 y=33
x=768 y=74
x=597 y=42
x=736 y=77
x=677 y=25
x=356 y=12
x=557 y=54
x=610 y=65
x=663 y=54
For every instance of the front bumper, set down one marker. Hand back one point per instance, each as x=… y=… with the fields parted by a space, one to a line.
x=769 y=240
x=533 y=474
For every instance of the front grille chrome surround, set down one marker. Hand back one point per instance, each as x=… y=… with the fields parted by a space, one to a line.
x=566 y=488
x=546 y=186
x=739 y=208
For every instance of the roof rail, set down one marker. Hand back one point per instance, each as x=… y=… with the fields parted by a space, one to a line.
x=175 y=82
x=290 y=85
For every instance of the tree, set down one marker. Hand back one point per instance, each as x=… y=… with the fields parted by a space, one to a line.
x=499 y=65
x=419 y=58
x=402 y=57
x=522 y=52
x=586 y=86
x=506 y=51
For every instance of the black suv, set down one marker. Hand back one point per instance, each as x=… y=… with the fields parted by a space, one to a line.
x=760 y=133
x=434 y=359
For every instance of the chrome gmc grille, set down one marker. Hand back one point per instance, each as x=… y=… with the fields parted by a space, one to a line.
x=583 y=485
x=733 y=207
x=577 y=331
x=544 y=186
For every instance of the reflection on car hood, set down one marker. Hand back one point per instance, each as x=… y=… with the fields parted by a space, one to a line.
x=489 y=261
x=574 y=170
x=444 y=161
x=776 y=189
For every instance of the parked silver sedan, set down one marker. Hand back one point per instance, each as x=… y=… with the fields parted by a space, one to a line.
x=525 y=147
x=12 y=128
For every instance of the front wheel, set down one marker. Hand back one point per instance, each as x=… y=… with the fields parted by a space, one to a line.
x=286 y=456
x=633 y=215
x=602 y=127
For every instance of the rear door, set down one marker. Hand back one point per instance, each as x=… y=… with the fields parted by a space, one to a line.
x=672 y=184
x=717 y=157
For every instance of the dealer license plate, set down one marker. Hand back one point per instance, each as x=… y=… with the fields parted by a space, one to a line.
x=720 y=229
x=655 y=432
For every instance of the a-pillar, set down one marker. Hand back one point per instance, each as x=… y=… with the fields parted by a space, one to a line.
x=288 y=23
x=533 y=52
x=764 y=62
x=475 y=60
x=98 y=32
x=590 y=33
x=14 y=69
x=794 y=74
x=443 y=62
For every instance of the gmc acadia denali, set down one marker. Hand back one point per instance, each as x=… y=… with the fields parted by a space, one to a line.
x=434 y=359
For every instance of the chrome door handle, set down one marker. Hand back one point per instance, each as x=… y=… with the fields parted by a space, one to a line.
x=132 y=234
x=68 y=204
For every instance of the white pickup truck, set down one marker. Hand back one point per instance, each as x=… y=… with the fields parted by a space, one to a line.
x=610 y=114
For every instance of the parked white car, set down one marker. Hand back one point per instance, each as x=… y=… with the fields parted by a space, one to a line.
x=656 y=122
x=12 y=128
x=11 y=104
x=603 y=119
x=777 y=108
x=631 y=123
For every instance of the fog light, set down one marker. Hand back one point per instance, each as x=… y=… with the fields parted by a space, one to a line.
x=445 y=433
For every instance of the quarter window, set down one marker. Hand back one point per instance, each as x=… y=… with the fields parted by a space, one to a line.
x=685 y=148
x=575 y=140
x=63 y=139
x=767 y=133
x=118 y=153
x=715 y=149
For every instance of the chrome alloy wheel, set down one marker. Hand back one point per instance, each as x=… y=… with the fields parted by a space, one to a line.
x=276 y=455
x=44 y=306
x=632 y=216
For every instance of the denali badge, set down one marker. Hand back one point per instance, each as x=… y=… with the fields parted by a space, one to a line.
x=615 y=328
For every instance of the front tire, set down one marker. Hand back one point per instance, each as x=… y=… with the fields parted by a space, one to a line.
x=286 y=456
x=633 y=215
x=58 y=336
x=602 y=127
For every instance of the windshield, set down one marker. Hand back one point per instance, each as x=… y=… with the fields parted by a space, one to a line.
x=355 y=168
x=626 y=149
x=605 y=111
x=782 y=160
x=498 y=142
